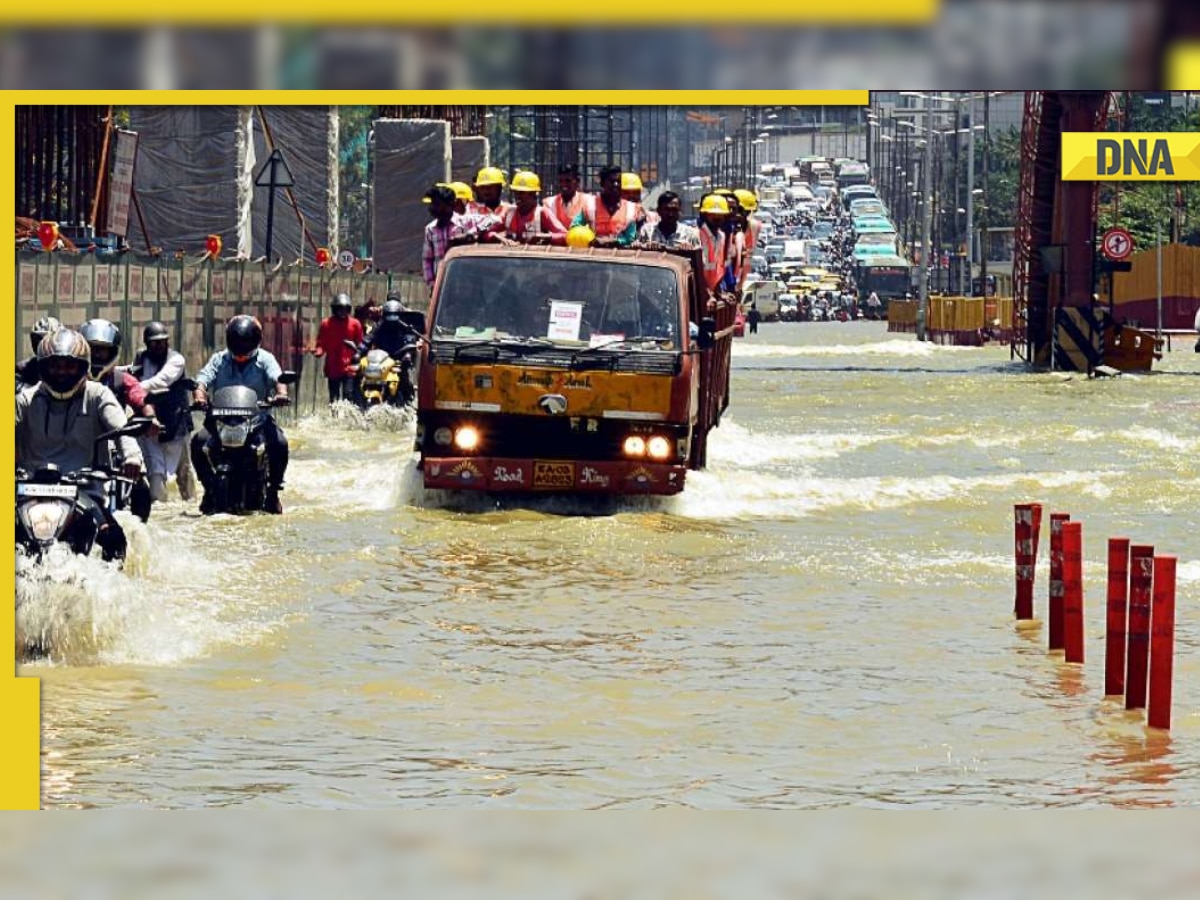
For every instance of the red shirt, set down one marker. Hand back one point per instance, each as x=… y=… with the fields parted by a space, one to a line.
x=330 y=344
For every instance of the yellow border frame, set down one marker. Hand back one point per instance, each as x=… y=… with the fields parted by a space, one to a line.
x=521 y=12
x=20 y=744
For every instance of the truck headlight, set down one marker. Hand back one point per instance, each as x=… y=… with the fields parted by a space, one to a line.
x=658 y=447
x=466 y=438
x=443 y=436
x=635 y=446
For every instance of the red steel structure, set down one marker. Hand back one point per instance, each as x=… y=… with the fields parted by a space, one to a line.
x=1053 y=214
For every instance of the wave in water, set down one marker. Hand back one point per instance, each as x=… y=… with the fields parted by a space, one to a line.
x=736 y=445
x=751 y=494
x=896 y=347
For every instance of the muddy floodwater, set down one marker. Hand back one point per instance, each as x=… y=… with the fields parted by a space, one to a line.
x=823 y=618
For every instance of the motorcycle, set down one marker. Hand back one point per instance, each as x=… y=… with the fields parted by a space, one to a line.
x=237 y=448
x=379 y=380
x=56 y=507
x=391 y=378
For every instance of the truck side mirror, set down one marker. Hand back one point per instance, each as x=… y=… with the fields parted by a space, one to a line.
x=708 y=333
x=414 y=320
x=287 y=378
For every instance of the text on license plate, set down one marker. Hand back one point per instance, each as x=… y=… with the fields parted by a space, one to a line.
x=553 y=474
x=46 y=490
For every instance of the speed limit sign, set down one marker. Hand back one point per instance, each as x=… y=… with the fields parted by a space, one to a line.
x=345 y=259
x=1117 y=243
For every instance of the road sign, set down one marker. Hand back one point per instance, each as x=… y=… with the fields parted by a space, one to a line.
x=345 y=259
x=1117 y=243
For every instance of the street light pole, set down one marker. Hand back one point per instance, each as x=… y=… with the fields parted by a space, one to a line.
x=926 y=221
x=987 y=210
x=970 y=292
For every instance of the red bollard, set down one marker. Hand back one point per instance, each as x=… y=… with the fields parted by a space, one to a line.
x=1141 y=577
x=1055 y=615
x=1072 y=583
x=1118 y=602
x=1028 y=517
x=1162 y=643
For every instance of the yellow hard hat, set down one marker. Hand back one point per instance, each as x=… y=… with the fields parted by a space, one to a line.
x=725 y=192
x=462 y=191
x=746 y=199
x=630 y=181
x=489 y=175
x=580 y=236
x=714 y=204
x=526 y=181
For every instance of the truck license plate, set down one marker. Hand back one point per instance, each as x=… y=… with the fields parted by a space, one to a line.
x=553 y=474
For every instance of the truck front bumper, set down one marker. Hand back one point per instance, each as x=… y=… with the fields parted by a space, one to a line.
x=563 y=476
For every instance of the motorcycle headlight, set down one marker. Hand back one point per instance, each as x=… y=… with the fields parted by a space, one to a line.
x=634 y=446
x=45 y=518
x=233 y=434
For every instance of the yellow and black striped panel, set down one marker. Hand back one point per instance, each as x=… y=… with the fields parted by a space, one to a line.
x=1078 y=339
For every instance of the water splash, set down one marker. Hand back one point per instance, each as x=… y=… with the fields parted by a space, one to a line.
x=170 y=602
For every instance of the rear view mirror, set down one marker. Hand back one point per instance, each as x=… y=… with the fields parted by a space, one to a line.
x=414 y=320
x=287 y=378
x=188 y=384
x=136 y=427
x=708 y=333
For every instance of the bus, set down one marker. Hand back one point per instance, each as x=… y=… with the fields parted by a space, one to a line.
x=885 y=276
x=853 y=173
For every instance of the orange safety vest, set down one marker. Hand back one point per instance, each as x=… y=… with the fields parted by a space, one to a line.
x=712 y=250
x=515 y=226
x=482 y=209
x=565 y=212
x=755 y=230
x=605 y=224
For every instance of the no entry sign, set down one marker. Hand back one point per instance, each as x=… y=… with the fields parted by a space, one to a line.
x=1117 y=243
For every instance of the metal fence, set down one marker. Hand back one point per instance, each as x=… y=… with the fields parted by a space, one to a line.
x=194 y=297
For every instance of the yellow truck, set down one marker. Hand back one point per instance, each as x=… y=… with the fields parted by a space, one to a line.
x=564 y=370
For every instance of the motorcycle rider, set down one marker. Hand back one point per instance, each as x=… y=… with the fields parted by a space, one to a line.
x=393 y=335
x=339 y=357
x=27 y=369
x=59 y=419
x=161 y=370
x=243 y=363
x=104 y=338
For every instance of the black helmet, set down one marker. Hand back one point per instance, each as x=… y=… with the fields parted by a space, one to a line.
x=342 y=301
x=243 y=334
x=105 y=340
x=63 y=343
x=155 y=331
x=392 y=310
x=41 y=328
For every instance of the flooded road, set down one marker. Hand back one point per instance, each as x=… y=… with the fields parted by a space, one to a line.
x=823 y=618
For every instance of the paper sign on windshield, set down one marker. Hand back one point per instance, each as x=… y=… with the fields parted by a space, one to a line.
x=566 y=316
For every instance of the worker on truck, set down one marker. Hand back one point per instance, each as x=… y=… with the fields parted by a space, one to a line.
x=449 y=229
x=611 y=218
x=668 y=231
x=631 y=190
x=527 y=221
x=567 y=203
x=489 y=184
x=714 y=212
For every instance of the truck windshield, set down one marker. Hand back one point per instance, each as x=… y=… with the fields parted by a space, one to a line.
x=589 y=301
